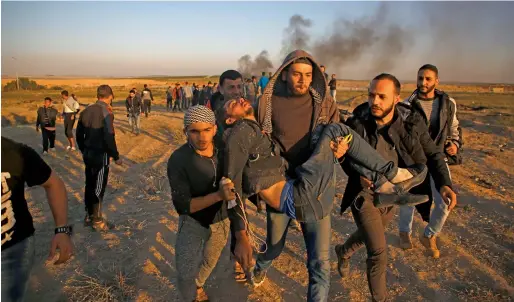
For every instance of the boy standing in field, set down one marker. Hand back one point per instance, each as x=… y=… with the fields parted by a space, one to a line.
x=46 y=117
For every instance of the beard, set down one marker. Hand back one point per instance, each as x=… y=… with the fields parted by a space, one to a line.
x=426 y=90
x=298 y=89
x=382 y=112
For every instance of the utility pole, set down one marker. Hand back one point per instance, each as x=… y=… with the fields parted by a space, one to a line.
x=17 y=79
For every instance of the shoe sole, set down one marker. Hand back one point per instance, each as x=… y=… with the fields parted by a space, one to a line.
x=346 y=272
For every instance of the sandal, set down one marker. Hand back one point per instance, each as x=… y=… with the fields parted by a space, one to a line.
x=239 y=274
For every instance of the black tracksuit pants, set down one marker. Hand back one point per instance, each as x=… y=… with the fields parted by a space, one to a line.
x=96 y=181
x=48 y=138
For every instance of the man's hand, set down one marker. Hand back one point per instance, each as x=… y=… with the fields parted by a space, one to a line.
x=62 y=242
x=451 y=149
x=119 y=162
x=243 y=251
x=366 y=183
x=226 y=191
x=37 y=129
x=448 y=197
x=339 y=148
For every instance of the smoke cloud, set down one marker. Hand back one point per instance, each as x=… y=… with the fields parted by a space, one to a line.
x=248 y=67
x=466 y=43
x=295 y=35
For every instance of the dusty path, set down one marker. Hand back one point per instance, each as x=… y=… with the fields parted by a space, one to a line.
x=135 y=262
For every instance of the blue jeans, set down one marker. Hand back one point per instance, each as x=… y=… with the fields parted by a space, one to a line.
x=135 y=122
x=437 y=218
x=313 y=190
x=317 y=240
x=17 y=262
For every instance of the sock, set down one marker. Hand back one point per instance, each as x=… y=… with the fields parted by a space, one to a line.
x=401 y=175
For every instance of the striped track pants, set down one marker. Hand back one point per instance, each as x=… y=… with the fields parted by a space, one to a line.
x=96 y=181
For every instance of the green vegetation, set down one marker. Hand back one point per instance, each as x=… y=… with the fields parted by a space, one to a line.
x=24 y=83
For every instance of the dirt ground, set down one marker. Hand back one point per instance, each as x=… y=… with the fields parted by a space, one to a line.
x=135 y=262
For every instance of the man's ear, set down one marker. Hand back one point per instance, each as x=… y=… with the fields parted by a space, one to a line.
x=436 y=81
x=230 y=121
x=397 y=99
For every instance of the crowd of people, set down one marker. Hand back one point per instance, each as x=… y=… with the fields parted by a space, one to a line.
x=278 y=139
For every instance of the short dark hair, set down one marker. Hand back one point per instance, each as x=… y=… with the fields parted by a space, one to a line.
x=209 y=83
x=431 y=68
x=145 y=85
x=132 y=91
x=104 y=91
x=64 y=92
x=264 y=73
x=231 y=75
x=48 y=99
x=390 y=77
x=322 y=66
x=254 y=77
x=186 y=83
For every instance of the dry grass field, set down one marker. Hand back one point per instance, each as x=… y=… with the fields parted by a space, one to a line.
x=135 y=262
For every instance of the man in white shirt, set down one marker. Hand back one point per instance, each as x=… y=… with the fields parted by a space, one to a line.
x=187 y=97
x=70 y=109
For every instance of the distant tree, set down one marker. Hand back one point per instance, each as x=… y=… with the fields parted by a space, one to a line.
x=25 y=84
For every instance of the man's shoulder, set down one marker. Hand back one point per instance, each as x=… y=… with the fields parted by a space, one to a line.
x=180 y=156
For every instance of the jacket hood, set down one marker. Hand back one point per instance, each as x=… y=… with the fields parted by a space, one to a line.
x=318 y=87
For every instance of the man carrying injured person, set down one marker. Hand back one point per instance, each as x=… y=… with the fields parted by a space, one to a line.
x=252 y=162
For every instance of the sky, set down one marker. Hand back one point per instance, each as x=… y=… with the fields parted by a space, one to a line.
x=470 y=42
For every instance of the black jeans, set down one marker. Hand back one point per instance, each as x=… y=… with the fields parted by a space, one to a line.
x=96 y=181
x=48 y=137
x=147 y=106
x=169 y=104
x=69 y=122
x=371 y=223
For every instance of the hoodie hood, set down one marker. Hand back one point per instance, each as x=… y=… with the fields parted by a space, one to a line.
x=317 y=89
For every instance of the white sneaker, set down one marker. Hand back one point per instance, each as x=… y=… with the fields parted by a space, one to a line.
x=45 y=153
x=73 y=149
x=68 y=148
x=52 y=149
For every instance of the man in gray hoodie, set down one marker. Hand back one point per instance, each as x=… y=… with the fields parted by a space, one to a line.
x=293 y=108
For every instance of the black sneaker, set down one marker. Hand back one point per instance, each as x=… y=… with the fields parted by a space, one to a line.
x=343 y=264
x=258 y=277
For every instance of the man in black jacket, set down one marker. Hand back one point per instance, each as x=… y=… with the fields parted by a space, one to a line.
x=400 y=135
x=133 y=104
x=46 y=117
x=96 y=141
x=439 y=111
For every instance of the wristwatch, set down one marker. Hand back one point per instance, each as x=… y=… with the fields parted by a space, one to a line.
x=67 y=229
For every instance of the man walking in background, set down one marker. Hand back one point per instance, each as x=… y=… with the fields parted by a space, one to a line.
x=70 y=109
x=188 y=96
x=147 y=98
x=177 y=97
x=169 y=98
x=46 y=117
x=21 y=166
x=96 y=140
x=251 y=91
x=439 y=111
x=324 y=73
x=133 y=104
x=263 y=81
x=333 y=87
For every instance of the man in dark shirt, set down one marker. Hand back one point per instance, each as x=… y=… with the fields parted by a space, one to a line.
x=399 y=135
x=333 y=87
x=194 y=173
x=46 y=117
x=22 y=165
x=96 y=141
x=133 y=104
